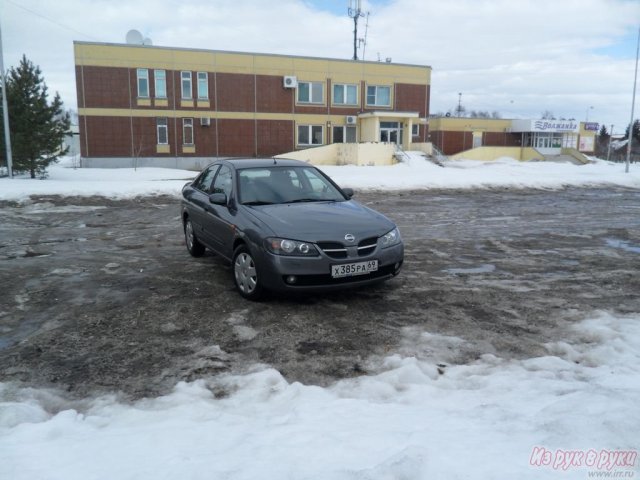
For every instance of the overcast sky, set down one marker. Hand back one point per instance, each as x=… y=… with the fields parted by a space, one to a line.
x=518 y=57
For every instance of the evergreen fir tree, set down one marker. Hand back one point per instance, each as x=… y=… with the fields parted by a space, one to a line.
x=636 y=130
x=37 y=128
x=603 y=133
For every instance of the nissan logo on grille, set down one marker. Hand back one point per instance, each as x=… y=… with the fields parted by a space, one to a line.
x=349 y=238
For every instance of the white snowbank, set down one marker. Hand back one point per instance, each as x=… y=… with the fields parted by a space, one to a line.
x=479 y=421
x=416 y=173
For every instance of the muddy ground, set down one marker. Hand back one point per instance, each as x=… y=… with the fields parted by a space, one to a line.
x=99 y=295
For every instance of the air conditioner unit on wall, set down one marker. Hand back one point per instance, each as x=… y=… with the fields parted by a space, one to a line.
x=289 y=81
x=351 y=119
x=205 y=121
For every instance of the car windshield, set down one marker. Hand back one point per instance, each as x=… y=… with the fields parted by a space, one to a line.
x=278 y=184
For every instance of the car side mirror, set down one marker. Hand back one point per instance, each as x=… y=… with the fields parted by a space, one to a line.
x=218 y=198
x=348 y=192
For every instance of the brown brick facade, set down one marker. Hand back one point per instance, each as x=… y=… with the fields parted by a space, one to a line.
x=452 y=142
x=251 y=114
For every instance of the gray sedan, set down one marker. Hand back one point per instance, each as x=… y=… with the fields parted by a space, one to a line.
x=286 y=226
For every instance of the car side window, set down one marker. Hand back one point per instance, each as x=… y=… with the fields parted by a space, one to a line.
x=203 y=182
x=222 y=183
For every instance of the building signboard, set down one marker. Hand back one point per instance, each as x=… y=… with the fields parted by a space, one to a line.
x=592 y=126
x=549 y=126
x=555 y=126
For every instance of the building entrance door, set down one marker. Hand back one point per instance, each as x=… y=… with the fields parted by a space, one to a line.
x=547 y=143
x=391 y=132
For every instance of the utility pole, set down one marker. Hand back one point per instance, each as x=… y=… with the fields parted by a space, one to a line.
x=633 y=101
x=610 y=138
x=5 y=111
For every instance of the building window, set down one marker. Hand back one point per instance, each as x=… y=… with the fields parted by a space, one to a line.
x=160 y=78
x=143 y=83
x=203 y=86
x=310 y=134
x=344 y=134
x=163 y=132
x=378 y=96
x=187 y=131
x=345 y=94
x=186 y=85
x=310 y=92
x=415 y=130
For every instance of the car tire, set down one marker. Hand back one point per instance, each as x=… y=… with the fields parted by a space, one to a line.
x=245 y=274
x=195 y=248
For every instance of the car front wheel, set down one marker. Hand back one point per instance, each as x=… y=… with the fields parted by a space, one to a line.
x=245 y=274
x=195 y=248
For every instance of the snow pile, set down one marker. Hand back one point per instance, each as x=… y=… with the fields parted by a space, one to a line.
x=418 y=417
x=414 y=173
x=417 y=173
x=107 y=182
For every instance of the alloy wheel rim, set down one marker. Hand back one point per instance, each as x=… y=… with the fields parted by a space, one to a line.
x=245 y=272
x=189 y=232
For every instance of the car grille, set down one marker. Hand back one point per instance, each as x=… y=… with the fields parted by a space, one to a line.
x=338 y=250
x=333 y=249
x=367 y=246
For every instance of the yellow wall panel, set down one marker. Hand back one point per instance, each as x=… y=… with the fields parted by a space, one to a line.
x=307 y=68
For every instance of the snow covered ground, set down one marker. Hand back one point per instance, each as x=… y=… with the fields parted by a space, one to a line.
x=417 y=416
x=415 y=173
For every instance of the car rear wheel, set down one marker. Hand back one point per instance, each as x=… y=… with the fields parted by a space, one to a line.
x=245 y=274
x=195 y=248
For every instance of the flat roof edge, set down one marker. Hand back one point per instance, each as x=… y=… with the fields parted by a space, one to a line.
x=186 y=49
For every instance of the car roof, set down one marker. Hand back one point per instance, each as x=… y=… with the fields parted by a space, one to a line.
x=240 y=163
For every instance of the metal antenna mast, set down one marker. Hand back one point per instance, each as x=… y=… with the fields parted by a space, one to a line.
x=355 y=12
x=363 y=41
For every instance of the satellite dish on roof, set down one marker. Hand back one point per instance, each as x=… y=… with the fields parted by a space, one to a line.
x=134 y=37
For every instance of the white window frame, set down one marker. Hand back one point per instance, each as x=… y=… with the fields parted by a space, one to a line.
x=142 y=75
x=162 y=124
x=203 y=85
x=158 y=77
x=187 y=131
x=312 y=100
x=415 y=129
x=310 y=129
x=375 y=96
x=185 y=79
x=345 y=89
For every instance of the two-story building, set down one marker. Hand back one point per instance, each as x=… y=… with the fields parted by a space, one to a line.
x=144 y=105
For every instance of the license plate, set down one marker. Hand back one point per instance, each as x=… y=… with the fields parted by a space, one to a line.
x=351 y=269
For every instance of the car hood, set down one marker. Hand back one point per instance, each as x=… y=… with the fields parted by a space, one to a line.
x=322 y=221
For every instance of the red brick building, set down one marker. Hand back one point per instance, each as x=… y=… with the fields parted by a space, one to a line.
x=145 y=105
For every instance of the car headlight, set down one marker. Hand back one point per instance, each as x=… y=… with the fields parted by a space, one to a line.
x=284 y=246
x=391 y=238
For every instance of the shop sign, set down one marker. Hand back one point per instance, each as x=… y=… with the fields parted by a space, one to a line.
x=555 y=126
x=591 y=126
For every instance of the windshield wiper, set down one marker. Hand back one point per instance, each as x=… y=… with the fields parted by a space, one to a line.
x=300 y=200
x=257 y=202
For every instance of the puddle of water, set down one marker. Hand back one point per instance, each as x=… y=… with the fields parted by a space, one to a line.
x=51 y=208
x=485 y=268
x=621 y=244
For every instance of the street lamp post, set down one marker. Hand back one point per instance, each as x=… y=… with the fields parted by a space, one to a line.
x=633 y=101
x=587 y=115
x=5 y=114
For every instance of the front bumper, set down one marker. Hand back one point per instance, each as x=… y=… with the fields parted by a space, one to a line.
x=314 y=273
